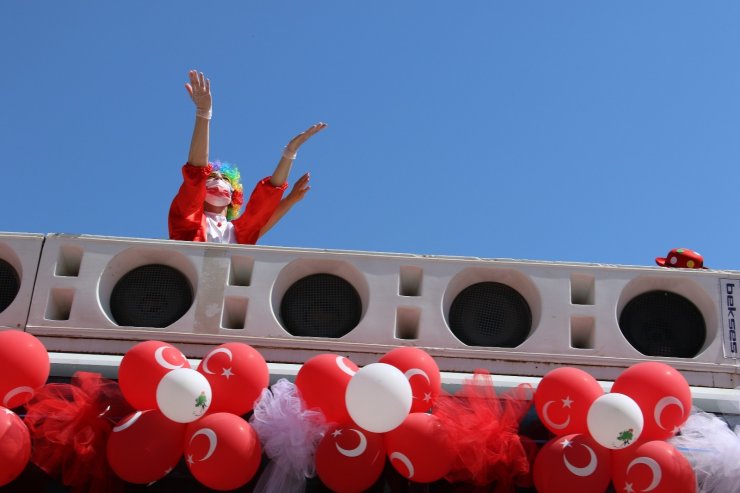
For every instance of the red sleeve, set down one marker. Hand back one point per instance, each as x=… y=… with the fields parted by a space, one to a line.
x=261 y=206
x=186 y=211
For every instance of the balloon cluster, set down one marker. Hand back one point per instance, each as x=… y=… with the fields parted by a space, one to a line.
x=377 y=411
x=616 y=436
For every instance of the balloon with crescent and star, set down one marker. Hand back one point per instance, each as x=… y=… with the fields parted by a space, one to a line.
x=222 y=451
x=563 y=397
x=419 y=448
x=662 y=393
x=422 y=373
x=238 y=374
x=24 y=367
x=350 y=459
x=572 y=462
x=322 y=382
x=142 y=368
x=144 y=446
x=15 y=446
x=653 y=467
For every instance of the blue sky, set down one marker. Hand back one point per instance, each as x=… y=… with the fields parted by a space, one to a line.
x=568 y=131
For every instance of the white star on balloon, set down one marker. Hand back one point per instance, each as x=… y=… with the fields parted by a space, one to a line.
x=336 y=433
x=567 y=401
x=628 y=488
x=190 y=460
x=427 y=396
x=227 y=373
x=566 y=443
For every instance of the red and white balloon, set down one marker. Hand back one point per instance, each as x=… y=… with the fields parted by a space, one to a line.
x=378 y=397
x=563 y=397
x=419 y=448
x=655 y=466
x=222 y=451
x=15 y=446
x=572 y=463
x=350 y=459
x=322 y=382
x=615 y=421
x=141 y=369
x=145 y=446
x=24 y=367
x=183 y=395
x=238 y=374
x=662 y=393
x=421 y=371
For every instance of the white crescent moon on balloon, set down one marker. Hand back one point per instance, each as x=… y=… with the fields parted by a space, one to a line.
x=654 y=468
x=551 y=423
x=159 y=357
x=405 y=461
x=588 y=469
x=357 y=451
x=416 y=371
x=16 y=391
x=343 y=366
x=224 y=350
x=662 y=404
x=212 y=441
x=128 y=423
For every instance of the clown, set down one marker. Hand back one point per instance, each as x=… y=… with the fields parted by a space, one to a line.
x=208 y=204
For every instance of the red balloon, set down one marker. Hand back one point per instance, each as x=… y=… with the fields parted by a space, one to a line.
x=15 y=446
x=350 y=459
x=563 y=397
x=663 y=395
x=572 y=463
x=145 y=446
x=141 y=369
x=418 y=449
x=237 y=374
x=322 y=381
x=422 y=373
x=24 y=367
x=655 y=466
x=222 y=451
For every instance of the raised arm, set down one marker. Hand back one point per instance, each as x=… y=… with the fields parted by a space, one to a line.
x=199 y=89
x=299 y=190
x=282 y=171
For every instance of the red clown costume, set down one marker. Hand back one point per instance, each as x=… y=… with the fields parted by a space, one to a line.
x=188 y=220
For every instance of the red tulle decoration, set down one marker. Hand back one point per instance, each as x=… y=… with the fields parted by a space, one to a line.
x=483 y=432
x=70 y=425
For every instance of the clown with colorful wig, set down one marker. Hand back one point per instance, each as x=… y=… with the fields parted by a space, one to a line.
x=208 y=205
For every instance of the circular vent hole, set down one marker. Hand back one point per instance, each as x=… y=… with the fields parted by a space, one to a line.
x=321 y=305
x=9 y=284
x=151 y=296
x=490 y=314
x=661 y=323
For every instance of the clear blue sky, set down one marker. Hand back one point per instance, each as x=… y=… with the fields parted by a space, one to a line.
x=549 y=130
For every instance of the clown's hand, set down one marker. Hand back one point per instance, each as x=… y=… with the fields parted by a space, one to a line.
x=292 y=148
x=199 y=89
x=300 y=188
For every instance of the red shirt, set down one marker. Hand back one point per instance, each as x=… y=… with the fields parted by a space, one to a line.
x=187 y=220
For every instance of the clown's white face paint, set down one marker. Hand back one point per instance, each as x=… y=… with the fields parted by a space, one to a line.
x=218 y=192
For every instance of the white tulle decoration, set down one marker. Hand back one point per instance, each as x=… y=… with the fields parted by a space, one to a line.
x=289 y=435
x=713 y=450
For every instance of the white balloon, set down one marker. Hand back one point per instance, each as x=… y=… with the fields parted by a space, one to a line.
x=378 y=397
x=183 y=395
x=615 y=421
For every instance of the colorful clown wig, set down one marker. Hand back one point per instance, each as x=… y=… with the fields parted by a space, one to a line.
x=231 y=173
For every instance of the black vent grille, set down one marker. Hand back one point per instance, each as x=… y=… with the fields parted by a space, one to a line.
x=9 y=284
x=490 y=314
x=321 y=305
x=661 y=323
x=151 y=296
